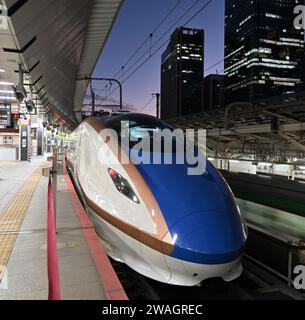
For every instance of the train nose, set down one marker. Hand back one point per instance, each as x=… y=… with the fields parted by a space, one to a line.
x=208 y=238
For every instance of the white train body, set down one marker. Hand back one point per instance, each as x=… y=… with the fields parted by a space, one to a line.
x=139 y=230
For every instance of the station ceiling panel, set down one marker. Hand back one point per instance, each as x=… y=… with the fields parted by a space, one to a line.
x=57 y=42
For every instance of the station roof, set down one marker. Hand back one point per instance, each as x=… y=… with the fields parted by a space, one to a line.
x=250 y=125
x=56 y=42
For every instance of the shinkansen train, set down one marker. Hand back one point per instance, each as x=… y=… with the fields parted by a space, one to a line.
x=167 y=225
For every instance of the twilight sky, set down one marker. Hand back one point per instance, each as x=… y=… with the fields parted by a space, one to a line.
x=136 y=20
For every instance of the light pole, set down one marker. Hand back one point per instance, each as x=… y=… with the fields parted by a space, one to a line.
x=105 y=79
x=233 y=105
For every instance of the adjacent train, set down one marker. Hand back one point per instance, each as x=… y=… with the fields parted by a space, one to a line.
x=169 y=226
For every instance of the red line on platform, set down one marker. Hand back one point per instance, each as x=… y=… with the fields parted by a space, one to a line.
x=111 y=283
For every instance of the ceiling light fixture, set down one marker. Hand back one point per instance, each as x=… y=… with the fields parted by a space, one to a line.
x=7 y=91
x=4 y=83
x=7 y=98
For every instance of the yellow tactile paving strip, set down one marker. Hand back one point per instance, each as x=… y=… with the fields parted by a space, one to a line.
x=13 y=215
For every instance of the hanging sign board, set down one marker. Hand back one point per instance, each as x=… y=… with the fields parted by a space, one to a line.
x=5 y=115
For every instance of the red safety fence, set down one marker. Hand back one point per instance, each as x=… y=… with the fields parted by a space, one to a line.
x=53 y=270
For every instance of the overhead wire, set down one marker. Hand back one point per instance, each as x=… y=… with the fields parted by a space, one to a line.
x=146 y=104
x=165 y=42
x=148 y=37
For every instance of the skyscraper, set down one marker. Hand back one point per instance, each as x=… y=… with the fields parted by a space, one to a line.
x=264 y=53
x=182 y=73
x=213 y=95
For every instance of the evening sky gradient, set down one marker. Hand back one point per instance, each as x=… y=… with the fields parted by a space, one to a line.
x=136 y=20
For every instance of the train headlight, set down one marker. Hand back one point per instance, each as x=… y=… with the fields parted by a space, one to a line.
x=243 y=222
x=123 y=186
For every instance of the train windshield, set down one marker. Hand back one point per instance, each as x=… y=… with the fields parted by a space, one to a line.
x=133 y=129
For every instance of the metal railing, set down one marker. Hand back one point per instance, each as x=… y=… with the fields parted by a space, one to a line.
x=290 y=243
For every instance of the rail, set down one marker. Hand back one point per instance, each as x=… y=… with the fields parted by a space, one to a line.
x=291 y=244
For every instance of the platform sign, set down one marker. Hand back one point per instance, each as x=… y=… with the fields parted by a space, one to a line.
x=24 y=110
x=24 y=139
x=39 y=141
x=5 y=115
x=14 y=109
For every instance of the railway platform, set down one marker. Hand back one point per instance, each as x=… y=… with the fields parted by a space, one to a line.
x=85 y=272
x=84 y=269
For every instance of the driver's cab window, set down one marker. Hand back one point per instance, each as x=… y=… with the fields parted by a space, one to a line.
x=136 y=130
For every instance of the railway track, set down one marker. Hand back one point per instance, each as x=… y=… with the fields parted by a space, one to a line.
x=253 y=284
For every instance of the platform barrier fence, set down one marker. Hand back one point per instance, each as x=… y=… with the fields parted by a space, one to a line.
x=290 y=252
